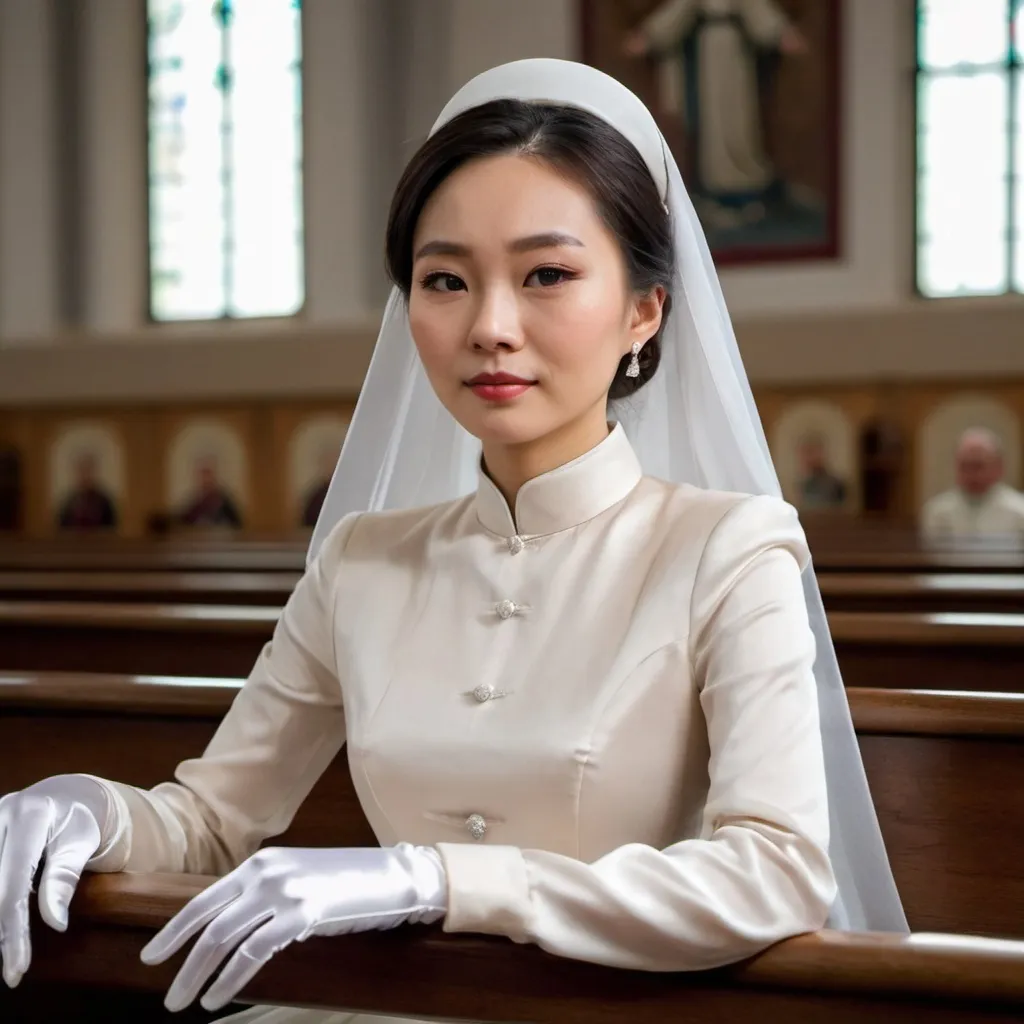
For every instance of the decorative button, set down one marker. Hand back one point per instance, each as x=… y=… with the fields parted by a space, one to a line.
x=485 y=692
x=515 y=545
x=476 y=826
x=505 y=609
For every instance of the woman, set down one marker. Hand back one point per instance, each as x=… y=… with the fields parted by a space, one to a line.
x=578 y=701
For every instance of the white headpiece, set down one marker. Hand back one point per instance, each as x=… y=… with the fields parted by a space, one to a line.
x=694 y=422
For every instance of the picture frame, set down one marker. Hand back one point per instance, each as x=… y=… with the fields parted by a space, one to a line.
x=754 y=125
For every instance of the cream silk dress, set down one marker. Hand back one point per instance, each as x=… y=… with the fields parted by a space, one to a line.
x=600 y=710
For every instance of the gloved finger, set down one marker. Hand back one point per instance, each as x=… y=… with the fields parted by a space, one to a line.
x=20 y=851
x=216 y=942
x=75 y=840
x=250 y=957
x=193 y=917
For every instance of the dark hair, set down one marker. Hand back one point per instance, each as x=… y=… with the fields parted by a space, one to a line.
x=576 y=143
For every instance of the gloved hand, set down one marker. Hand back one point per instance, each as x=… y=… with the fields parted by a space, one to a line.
x=279 y=896
x=60 y=820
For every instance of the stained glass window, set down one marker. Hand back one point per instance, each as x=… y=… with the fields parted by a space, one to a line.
x=225 y=158
x=970 y=205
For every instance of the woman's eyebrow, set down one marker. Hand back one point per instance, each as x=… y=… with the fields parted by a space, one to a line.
x=544 y=240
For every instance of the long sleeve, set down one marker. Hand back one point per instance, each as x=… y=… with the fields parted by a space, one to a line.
x=282 y=731
x=667 y=24
x=759 y=870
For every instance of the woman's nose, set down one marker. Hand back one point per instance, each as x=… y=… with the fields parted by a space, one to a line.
x=497 y=323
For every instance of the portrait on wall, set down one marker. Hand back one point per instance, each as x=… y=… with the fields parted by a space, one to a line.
x=206 y=477
x=87 y=478
x=814 y=446
x=746 y=93
x=313 y=451
x=940 y=433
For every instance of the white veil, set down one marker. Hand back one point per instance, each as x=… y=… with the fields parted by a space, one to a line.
x=694 y=422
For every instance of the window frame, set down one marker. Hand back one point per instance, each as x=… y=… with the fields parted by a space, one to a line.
x=1010 y=68
x=299 y=312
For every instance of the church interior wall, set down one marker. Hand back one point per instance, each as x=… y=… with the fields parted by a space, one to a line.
x=77 y=343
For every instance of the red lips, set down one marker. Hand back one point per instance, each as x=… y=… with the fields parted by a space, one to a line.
x=497 y=378
x=499 y=388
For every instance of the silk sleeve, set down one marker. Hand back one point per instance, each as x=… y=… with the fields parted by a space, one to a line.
x=282 y=731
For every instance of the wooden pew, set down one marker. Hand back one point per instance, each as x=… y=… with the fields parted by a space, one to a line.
x=198 y=554
x=110 y=587
x=918 y=561
x=136 y=729
x=946 y=772
x=190 y=639
x=921 y=592
x=940 y=650
x=823 y=978
x=843 y=544
x=893 y=649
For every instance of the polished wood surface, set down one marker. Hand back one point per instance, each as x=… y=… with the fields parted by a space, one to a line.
x=946 y=771
x=269 y=588
x=841 y=560
x=212 y=554
x=133 y=638
x=828 y=976
x=195 y=617
x=935 y=650
x=963 y=713
x=854 y=544
x=927 y=629
x=922 y=592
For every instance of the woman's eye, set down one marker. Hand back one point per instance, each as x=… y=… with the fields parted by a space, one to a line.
x=442 y=282
x=547 y=277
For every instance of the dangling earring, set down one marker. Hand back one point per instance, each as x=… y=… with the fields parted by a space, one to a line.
x=633 y=370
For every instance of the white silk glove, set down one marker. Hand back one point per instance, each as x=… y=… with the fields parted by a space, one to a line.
x=60 y=821
x=279 y=896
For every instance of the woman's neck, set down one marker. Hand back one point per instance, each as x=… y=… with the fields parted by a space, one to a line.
x=511 y=466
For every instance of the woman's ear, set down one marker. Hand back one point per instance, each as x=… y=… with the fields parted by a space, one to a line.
x=647 y=312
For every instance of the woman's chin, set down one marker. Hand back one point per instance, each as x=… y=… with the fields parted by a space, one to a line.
x=503 y=425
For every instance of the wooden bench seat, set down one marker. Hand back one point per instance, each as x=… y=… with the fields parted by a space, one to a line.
x=823 y=978
x=946 y=771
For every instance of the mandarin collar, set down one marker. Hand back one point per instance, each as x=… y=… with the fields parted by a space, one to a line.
x=566 y=496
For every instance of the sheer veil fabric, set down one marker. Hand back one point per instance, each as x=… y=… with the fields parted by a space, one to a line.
x=695 y=422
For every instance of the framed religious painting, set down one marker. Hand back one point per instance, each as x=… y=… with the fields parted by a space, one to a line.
x=746 y=93
x=87 y=478
x=206 y=476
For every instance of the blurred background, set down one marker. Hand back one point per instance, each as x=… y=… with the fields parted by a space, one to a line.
x=192 y=206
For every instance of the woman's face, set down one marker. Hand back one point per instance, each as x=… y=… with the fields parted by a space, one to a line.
x=515 y=273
